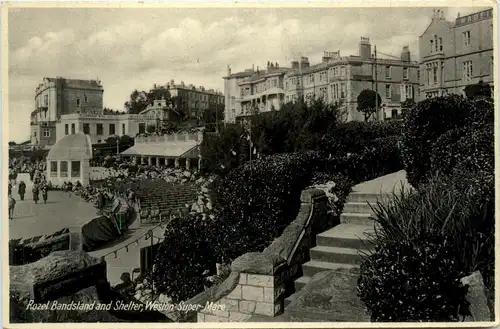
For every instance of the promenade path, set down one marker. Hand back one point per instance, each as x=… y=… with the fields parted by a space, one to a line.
x=63 y=210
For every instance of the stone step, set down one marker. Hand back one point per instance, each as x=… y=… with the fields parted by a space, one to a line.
x=336 y=255
x=346 y=235
x=301 y=282
x=357 y=219
x=312 y=267
x=365 y=197
x=358 y=208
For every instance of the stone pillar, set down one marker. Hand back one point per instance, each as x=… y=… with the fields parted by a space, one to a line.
x=199 y=163
x=176 y=162
x=188 y=164
x=150 y=161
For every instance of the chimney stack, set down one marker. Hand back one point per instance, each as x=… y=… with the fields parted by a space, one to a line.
x=228 y=70
x=295 y=65
x=365 y=48
x=405 y=54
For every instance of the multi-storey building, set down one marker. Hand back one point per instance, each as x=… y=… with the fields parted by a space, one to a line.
x=337 y=79
x=232 y=93
x=340 y=79
x=456 y=54
x=102 y=126
x=55 y=97
x=195 y=100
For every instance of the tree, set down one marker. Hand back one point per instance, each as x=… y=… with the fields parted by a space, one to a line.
x=137 y=103
x=407 y=105
x=369 y=102
x=158 y=92
x=478 y=90
x=151 y=128
x=12 y=143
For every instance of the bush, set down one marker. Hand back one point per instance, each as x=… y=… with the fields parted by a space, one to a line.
x=354 y=136
x=258 y=200
x=439 y=209
x=422 y=127
x=182 y=258
x=342 y=187
x=379 y=157
x=472 y=148
x=413 y=280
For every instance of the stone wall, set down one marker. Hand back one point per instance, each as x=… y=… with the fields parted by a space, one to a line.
x=260 y=281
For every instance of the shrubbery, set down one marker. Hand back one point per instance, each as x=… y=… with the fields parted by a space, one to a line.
x=354 y=136
x=396 y=286
x=258 y=200
x=183 y=256
x=423 y=126
x=461 y=229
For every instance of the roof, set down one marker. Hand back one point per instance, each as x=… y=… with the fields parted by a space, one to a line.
x=78 y=83
x=75 y=147
x=169 y=149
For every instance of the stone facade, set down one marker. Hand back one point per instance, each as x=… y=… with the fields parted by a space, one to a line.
x=55 y=97
x=259 y=282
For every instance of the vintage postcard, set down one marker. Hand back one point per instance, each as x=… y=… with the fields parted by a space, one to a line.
x=249 y=165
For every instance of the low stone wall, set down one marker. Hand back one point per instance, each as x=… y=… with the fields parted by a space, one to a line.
x=260 y=281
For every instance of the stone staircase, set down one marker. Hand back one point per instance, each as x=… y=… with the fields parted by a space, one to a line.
x=340 y=247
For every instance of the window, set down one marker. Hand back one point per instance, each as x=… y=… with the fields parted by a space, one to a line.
x=86 y=99
x=75 y=168
x=432 y=46
x=72 y=128
x=394 y=113
x=123 y=129
x=435 y=74
x=342 y=70
x=275 y=83
x=46 y=133
x=467 y=70
x=466 y=38
x=64 y=169
x=99 y=141
x=388 y=91
x=86 y=129
x=78 y=102
x=46 y=100
x=405 y=73
x=142 y=128
x=342 y=90
x=311 y=78
x=387 y=72
x=66 y=129
x=53 y=168
x=99 y=129
x=111 y=128
x=34 y=134
x=440 y=44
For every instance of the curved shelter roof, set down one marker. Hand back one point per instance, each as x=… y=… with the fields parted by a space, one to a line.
x=75 y=147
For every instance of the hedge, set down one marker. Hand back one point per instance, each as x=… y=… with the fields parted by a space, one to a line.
x=183 y=256
x=423 y=126
x=354 y=136
x=260 y=199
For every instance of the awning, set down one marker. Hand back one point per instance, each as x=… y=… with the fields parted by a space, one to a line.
x=167 y=150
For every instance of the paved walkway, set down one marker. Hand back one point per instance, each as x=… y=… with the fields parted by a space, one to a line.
x=61 y=211
x=384 y=184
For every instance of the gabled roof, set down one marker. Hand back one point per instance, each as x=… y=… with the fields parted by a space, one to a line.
x=448 y=24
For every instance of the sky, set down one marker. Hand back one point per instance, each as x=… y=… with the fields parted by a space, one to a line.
x=131 y=49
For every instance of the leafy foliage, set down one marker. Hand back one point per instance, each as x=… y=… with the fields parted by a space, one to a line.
x=424 y=125
x=369 y=101
x=397 y=286
x=460 y=227
x=260 y=199
x=478 y=90
x=183 y=256
x=354 y=136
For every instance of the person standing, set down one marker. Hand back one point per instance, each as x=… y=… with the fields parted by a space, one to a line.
x=32 y=174
x=45 y=192
x=35 y=193
x=10 y=189
x=12 y=205
x=22 y=190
